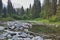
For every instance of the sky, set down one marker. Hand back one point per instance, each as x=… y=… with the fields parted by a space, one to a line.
x=20 y=3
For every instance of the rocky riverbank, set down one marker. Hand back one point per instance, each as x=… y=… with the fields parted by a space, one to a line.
x=20 y=30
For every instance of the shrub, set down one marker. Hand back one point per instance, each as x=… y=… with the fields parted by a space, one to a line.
x=53 y=19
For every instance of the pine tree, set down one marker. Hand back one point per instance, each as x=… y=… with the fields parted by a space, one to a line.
x=1 y=7
x=18 y=11
x=28 y=11
x=45 y=13
x=22 y=12
x=53 y=7
x=10 y=8
x=4 y=12
x=30 y=6
x=36 y=9
x=58 y=9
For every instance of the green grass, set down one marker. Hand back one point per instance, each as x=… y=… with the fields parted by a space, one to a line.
x=47 y=21
x=6 y=19
x=46 y=29
x=42 y=29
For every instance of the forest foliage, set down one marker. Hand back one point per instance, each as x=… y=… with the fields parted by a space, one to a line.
x=49 y=10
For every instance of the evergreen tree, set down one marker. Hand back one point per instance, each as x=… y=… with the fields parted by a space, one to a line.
x=45 y=13
x=22 y=12
x=1 y=8
x=30 y=6
x=36 y=9
x=10 y=8
x=28 y=12
x=4 y=12
x=14 y=12
x=58 y=9
x=53 y=7
x=18 y=11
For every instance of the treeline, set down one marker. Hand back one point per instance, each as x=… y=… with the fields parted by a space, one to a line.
x=49 y=10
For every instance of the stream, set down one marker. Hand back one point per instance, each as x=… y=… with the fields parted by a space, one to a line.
x=18 y=31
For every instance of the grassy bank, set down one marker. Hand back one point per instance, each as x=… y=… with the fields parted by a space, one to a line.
x=6 y=19
x=46 y=29
x=47 y=21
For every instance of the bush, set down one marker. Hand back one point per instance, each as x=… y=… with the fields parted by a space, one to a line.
x=53 y=19
x=17 y=17
x=25 y=17
x=58 y=19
